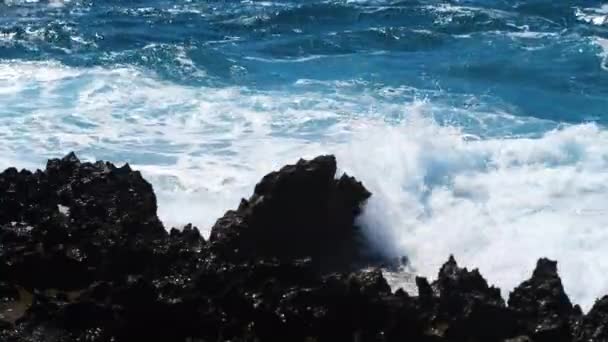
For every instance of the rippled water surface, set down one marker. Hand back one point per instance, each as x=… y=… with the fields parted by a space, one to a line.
x=480 y=126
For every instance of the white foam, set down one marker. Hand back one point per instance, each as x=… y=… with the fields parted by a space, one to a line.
x=531 y=34
x=495 y=203
x=603 y=44
x=595 y=15
x=446 y=13
x=294 y=59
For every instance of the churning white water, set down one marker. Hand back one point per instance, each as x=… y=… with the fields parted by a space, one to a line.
x=495 y=201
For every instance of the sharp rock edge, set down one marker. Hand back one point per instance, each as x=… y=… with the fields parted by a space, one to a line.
x=84 y=257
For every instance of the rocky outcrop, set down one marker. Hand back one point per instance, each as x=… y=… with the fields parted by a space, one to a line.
x=74 y=223
x=299 y=211
x=83 y=257
x=542 y=306
x=463 y=306
x=594 y=326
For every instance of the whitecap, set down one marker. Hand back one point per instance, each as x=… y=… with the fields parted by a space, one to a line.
x=596 y=16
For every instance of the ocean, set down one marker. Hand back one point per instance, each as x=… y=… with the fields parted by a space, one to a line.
x=479 y=125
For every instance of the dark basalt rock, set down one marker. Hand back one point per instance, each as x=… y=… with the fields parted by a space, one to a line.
x=298 y=211
x=83 y=257
x=594 y=327
x=466 y=307
x=74 y=219
x=542 y=306
x=8 y=292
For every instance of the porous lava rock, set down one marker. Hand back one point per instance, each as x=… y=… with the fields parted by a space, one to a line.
x=300 y=211
x=84 y=257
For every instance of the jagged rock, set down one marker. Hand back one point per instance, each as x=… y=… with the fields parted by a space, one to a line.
x=425 y=291
x=351 y=307
x=188 y=235
x=467 y=308
x=594 y=326
x=84 y=257
x=298 y=211
x=76 y=220
x=101 y=193
x=542 y=306
x=370 y=282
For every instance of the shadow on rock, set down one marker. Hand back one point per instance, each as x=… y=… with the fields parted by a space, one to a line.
x=84 y=257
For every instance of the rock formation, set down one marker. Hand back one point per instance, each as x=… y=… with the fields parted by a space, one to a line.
x=84 y=257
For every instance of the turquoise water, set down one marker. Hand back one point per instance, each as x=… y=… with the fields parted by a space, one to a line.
x=478 y=125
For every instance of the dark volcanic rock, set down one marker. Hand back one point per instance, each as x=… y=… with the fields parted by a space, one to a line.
x=298 y=211
x=467 y=308
x=83 y=257
x=81 y=220
x=8 y=292
x=543 y=308
x=594 y=327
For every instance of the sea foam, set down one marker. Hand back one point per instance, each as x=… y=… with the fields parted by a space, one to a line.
x=496 y=204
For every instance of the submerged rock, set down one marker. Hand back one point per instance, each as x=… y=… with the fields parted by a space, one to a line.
x=84 y=257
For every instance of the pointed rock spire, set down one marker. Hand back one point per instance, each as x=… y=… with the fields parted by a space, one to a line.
x=542 y=306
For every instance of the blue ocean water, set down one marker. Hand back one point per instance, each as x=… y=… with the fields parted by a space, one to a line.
x=479 y=125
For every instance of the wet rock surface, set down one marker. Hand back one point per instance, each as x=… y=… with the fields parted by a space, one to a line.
x=300 y=211
x=542 y=305
x=84 y=257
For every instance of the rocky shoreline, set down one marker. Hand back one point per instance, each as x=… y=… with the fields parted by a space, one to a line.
x=84 y=257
